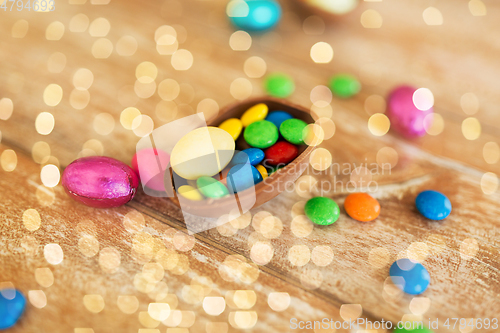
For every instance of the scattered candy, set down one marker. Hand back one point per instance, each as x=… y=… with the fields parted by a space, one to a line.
x=100 y=181
x=279 y=85
x=344 y=85
x=255 y=113
x=278 y=117
x=281 y=153
x=409 y=276
x=261 y=134
x=242 y=177
x=152 y=166
x=293 y=131
x=263 y=171
x=251 y=155
x=405 y=117
x=194 y=155
x=233 y=126
x=190 y=192
x=322 y=211
x=433 y=205
x=12 y=305
x=362 y=207
x=211 y=188
x=254 y=15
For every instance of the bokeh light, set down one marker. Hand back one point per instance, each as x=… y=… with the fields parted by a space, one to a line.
x=102 y=48
x=53 y=254
x=54 y=31
x=321 y=53
x=469 y=248
x=299 y=255
x=255 y=67
x=489 y=183
x=434 y=124
x=477 y=8
x=31 y=219
x=469 y=103
x=99 y=27
x=79 y=23
x=432 y=16
x=52 y=94
x=371 y=19
x=423 y=99
x=44 y=277
x=240 y=41
x=6 y=108
x=471 y=128
x=20 y=29
x=320 y=159
x=241 y=88
x=8 y=160
x=279 y=301
x=379 y=124
x=491 y=152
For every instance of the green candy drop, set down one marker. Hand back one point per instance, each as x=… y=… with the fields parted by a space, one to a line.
x=293 y=130
x=279 y=85
x=344 y=85
x=322 y=211
x=211 y=188
x=261 y=134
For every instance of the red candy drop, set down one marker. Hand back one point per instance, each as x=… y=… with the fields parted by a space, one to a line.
x=281 y=153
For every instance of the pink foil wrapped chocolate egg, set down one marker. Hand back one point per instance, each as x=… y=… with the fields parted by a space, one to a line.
x=407 y=108
x=150 y=164
x=100 y=181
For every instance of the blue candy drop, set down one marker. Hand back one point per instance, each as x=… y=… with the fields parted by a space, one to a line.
x=433 y=205
x=254 y=15
x=241 y=177
x=251 y=155
x=12 y=305
x=409 y=276
x=277 y=117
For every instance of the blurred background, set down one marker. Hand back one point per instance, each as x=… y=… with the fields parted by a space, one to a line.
x=92 y=77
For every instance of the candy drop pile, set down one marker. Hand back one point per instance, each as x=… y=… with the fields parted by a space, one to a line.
x=274 y=140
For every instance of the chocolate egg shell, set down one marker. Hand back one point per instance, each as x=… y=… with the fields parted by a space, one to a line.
x=274 y=183
x=100 y=181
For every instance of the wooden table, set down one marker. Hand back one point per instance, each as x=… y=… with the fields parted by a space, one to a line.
x=114 y=259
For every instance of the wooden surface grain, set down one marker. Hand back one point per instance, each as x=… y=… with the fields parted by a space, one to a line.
x=461 y=253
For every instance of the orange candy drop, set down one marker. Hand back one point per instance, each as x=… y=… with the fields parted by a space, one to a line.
x=362 y=207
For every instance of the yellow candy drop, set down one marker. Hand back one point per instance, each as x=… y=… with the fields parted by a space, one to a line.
x=262 y=170
x=233 y=126
x=190 y=193
x=255 y=113
x=204 y=151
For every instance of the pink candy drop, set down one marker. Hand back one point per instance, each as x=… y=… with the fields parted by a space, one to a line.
x=100 y=181
x=405 y=117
